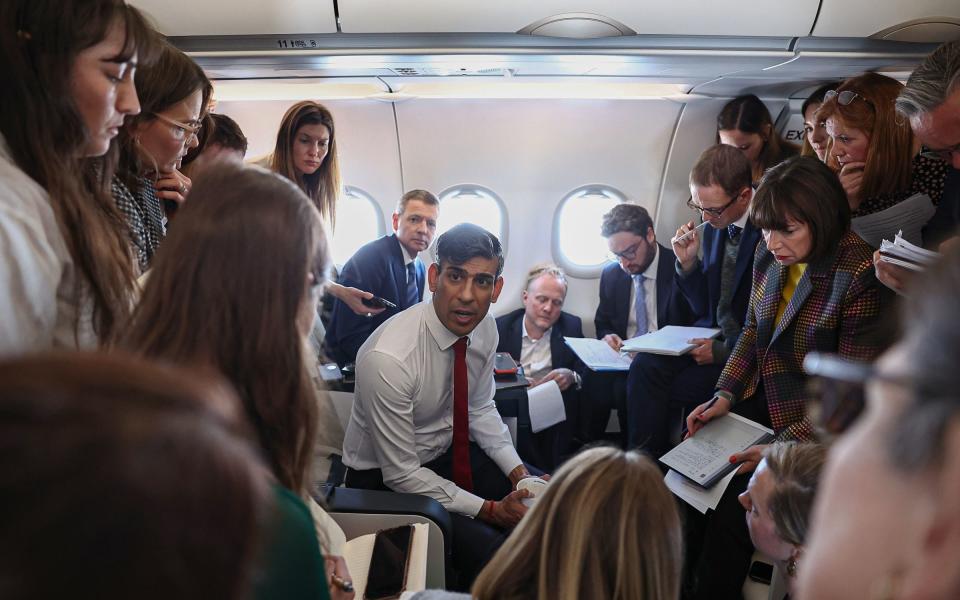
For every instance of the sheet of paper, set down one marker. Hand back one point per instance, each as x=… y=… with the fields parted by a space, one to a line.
x=902 y=253
x=909 y=217
x=597 y=355
x=701 y=456
x=672 y=340
x=546 y=406
x=694 y=495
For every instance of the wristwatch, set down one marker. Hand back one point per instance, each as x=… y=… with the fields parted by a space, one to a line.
x=578 y=381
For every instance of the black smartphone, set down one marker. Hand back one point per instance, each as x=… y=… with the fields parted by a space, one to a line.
x=760 y=572
x=378 y=302
x=388 y=563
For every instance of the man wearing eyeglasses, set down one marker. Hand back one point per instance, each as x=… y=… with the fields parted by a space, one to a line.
x=931 y=102
x=717 y=289
x=638 y=295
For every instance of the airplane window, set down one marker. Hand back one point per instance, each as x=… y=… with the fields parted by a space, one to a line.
x=577 y=244
x=359 y=220
x=473 y=204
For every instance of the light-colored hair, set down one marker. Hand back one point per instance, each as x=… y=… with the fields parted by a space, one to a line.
x=796 y=472
x=422 y=195
x=890 y=151
x=546 y=269
x=606 y=527
x=937 y=77
x=324 y=186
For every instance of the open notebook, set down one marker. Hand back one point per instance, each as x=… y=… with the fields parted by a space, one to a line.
x=704 y=458
x=357 y=553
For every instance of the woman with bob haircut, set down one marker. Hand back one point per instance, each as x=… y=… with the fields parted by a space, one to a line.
x=816 y=142
x=885 y=523
x=235 y=288
x=123 y=479
x=814 y=290
x=66 y=274
x=174 y=93
x=606 y=527
x=745 y=124
x=306 y=154
x=779 y=499
x=875 y=154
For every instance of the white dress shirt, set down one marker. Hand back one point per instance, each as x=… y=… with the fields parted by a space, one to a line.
x=650 y=300
x=535 y=355
x=42 y=303
x=402 y=414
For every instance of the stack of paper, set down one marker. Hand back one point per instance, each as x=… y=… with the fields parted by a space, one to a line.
x=598 y=355
x=694 y=495
x=908 y=216
x=671 y=340
x=904 y=254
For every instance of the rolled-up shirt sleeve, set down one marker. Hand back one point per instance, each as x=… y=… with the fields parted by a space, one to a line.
x=388 y=398
x=486 y=425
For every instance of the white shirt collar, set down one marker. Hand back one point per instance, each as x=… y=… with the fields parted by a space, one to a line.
x=742 y=221
x=407 y=259
x=444 y=337
x=651 y=272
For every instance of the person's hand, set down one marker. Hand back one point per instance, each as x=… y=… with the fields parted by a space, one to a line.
x=704 y=413
x=564 y=378
x=519 y=472
x=686 y=250
x=354 y=298
x=613 y=340
x=851 y=178
x=889 y=274
x=507 y=512
x=948 y=243
x=173 y=185
x=703 y=353
x=749 y=458
x=337 y=575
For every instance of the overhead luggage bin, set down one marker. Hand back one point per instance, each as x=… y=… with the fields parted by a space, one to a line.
x=673 y=17
x=239 y=17
x=914 y=21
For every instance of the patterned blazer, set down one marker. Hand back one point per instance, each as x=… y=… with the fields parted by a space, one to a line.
x=835 y=308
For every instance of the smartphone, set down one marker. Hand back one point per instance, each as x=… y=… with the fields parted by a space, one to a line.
x=760 y=572
x=504 y=365
x=388 y=563
x=378 y=302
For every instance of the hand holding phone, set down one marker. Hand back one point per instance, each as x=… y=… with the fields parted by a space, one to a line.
x=378 y=302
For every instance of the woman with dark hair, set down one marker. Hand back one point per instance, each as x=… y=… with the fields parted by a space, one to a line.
x=885 y=524
x=235 y=288
x=814 y=290
x=66 y=274
x=877 y=158
x=745 y=124
x=174 y=93
x=306 y=154
x=816 y=142
x=123 y=479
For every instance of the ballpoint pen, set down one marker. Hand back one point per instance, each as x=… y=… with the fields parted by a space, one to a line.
x=689 y=233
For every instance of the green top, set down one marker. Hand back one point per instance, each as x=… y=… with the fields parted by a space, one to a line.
x=292 y=567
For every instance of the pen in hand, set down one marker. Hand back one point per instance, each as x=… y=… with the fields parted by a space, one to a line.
x=689 y=233
x=709 y=406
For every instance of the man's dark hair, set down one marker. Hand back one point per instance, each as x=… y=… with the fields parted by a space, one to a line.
x=465 y=241
x=626 y=217
x=225 y=132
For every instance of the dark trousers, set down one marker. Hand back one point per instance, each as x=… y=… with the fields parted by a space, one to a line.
x=474 y=541
x=554 y=444
x=658 y=388
x=601 y=393
x=718 y=546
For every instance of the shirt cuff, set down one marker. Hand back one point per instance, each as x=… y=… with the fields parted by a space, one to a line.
x=506 y=458
x=465 y=503
x=685 y=274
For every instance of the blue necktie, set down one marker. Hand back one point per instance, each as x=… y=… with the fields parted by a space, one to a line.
x=413 y=292
x=640 y=304
x=733 y=232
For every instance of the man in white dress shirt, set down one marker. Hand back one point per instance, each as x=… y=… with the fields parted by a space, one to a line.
x=425 y=389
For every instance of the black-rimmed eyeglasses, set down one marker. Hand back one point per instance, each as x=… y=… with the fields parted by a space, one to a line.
x=713 y=212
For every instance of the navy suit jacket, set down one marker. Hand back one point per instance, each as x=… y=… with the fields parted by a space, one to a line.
x=377 y=267
x=701 y=287
x=510 y=328
x=613 y=312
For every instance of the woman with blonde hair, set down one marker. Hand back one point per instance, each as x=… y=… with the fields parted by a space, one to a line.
x=779 y=499
x=875 y=154
x=606 y=527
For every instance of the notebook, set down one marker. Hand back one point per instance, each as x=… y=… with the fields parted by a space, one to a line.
x=671 y=340
x=704 y=458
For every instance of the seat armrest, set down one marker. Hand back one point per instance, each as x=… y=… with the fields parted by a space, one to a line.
x=350 y=500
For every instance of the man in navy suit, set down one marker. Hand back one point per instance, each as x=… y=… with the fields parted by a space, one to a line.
x=638 y=295
x=533 y=336
x=717 y=290
x=387 y=267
